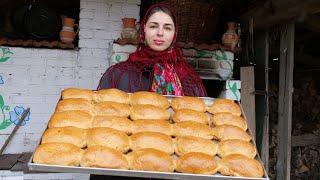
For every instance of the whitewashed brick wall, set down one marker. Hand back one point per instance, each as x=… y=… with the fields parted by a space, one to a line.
x=35 y=77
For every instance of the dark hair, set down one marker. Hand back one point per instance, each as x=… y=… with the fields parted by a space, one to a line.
x=162 y=9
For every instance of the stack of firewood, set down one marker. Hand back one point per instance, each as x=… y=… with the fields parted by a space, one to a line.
x=305 y=153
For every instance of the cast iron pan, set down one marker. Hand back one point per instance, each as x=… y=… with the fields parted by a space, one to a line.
x=17 y=18
x=41 y=22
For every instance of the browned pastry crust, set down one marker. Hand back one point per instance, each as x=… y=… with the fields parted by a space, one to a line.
x=64 y=154
x=190 y=115
x=187 y=144
x=226 y=132
x=219 y=119
x=151 y=160
x=118 y=123
x=77 y=93
x=239 y=165
x=108 y=108
x=197 y=163
x=113 y=95
x=108 y=137
x=74 y=104
x=153 y=140
x=161 y=126
x=149 y=112
x=79 y=119
x=103 y=157
x=225 y=105
x=236 y=146
x=152 y=98
x=189 y=128
x=186 y=102
x=72 y=135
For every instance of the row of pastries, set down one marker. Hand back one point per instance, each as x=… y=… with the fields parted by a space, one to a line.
x=147 y=159
x=88 y=98
x=123 y=143
x=113 y=129
x=222 y=129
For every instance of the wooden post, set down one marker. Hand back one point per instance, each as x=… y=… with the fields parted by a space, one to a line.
x=265 y=130
x=285 y=101
x=261 y=45
x=248 y=96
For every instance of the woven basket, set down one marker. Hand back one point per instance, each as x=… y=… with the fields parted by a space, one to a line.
x=197 y=20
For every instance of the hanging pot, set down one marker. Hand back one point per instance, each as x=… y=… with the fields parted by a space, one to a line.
x=230 y=37
x=67 y=34
x=129 y=30
x=42 y=23
x=17 y=18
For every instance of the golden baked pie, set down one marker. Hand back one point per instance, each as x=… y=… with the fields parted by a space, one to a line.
x=239 y=165
x=108 y=137
x=118 y=123
x=153 y=140
x=190 y=115
x=103 y=157
x=187 y=102
x=161 y=126
x=152 y=98
x=197 y=163
x=226 y=132
x=187 y=144
x=229 y=119
x=79 y=119
x=72 y=135
x=236 y=146
x=149 y=112
x=113 y=95
x=77 y=93
x=190 y=128
x=151 y=160
x=108 y=108
x=74 y=104
x=64 y=154
x=225 y=105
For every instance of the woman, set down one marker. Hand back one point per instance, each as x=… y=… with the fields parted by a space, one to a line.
x=158 y=64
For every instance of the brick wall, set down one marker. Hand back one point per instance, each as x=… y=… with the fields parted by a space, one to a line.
x=34 y=77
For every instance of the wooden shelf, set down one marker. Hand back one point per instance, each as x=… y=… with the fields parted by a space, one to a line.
x=34 y=43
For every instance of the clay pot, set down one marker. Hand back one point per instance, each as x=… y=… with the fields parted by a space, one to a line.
x=68 y=22
x=230 y=37
x=129 y=22
x=129 y=30
x=67 y=34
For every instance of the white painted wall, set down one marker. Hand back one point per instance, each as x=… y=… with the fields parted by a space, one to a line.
x=34 y=77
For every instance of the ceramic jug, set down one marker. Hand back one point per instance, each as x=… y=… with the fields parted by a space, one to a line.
x=129 y=30
x=230 y=37
x=67 y=34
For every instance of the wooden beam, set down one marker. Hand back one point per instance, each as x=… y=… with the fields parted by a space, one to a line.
x=265 y=130
x=299 y=57
x=261 y=57
x=305 y=140
x=303 y=37
x=248 y=97
x=285 y=101
x=312 y=23
x=307 y=59
x=271 y=13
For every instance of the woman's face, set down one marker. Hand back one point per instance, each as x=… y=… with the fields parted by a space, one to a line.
x=159 y=31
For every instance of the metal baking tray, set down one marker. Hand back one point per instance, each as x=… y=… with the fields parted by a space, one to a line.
x=146 y=174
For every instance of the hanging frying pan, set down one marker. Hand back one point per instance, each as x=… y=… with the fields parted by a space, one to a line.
x=41 y=22
x=17 y=18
